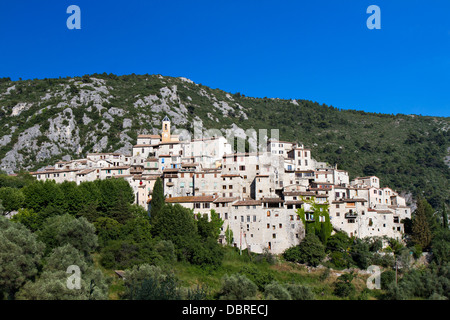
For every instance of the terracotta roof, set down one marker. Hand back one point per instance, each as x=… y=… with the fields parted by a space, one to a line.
x=354 y=200
x=85 y=171
x=116 y=168
x=152 y=160
x=225 y=199
x=152 y=136
x=55 y=171
x=189 y=164
x=248 y=202
x=273 y=200
x=292 y=193
x=293 y=202
x=142 y=145
x=230 y=175
x=189 y=199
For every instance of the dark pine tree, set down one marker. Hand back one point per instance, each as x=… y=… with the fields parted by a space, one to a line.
x=158 y=199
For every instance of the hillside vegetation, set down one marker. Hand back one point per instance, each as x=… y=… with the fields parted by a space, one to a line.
x=47 y=120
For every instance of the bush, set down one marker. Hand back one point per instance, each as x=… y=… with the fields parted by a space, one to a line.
x=339 y=259
x=310 y=251
x=237 y=287
x=387 y=278
x=66 y=229
x=257 y=276
x=299 y=292
x=343 y=286
x=275 y=291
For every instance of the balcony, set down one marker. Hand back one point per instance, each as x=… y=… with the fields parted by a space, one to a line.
x=351 y=215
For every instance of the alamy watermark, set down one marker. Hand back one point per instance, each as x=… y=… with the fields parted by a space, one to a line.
x=374 y=20
x=74 y=281
x=374 y=281
x=74 y=20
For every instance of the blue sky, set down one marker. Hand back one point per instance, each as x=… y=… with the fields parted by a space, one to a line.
x=317 y=50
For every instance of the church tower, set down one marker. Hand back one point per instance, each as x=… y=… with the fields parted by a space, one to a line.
x=165 y=130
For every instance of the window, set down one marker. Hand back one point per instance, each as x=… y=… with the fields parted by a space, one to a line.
x=268 y=226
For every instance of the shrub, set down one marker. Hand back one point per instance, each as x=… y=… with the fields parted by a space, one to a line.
x=343 y=286
x=299 y=292
x=275 y=291
x=237 y=287
x=310 y=251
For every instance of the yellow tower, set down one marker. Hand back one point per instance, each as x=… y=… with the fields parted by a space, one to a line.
x=165 y=130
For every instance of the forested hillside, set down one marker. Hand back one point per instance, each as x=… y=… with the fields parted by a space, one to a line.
x=45 y=120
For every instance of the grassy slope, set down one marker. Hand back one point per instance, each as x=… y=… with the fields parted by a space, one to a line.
x=282 y=271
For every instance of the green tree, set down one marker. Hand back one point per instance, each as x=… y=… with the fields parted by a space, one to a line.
x=158 y=199
x=361 y=254
x=229 y=236
x=107 y=230
x=440 y=247
x=136 y=275
x=20 y=255
x=12 y=199
x=153 y=288
x=310 y=251
x=209 y=228
x=275 y=291
x=299 y=292
x=66 y=229
x=72 y=196
x=39 y=195
x=343 y=287
x=121 y=210
x=28 y=218
x=421 y=232
x=177 y=224
x=52 y=285
x=237 y=287
x=444 y=216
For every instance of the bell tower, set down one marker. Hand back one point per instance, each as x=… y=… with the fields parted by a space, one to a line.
x=165 y=130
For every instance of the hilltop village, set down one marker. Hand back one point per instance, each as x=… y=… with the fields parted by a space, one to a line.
x=266 y=199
